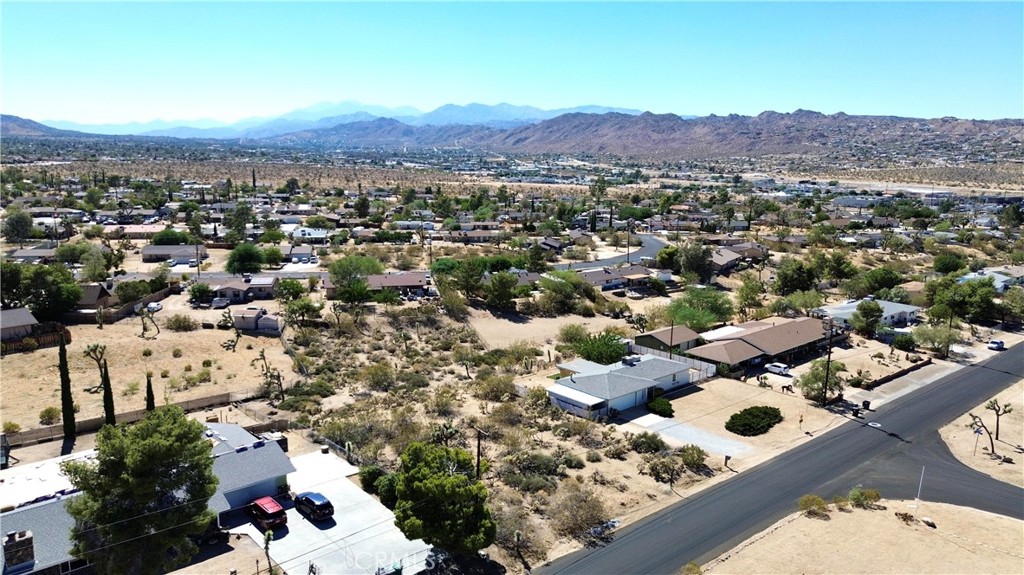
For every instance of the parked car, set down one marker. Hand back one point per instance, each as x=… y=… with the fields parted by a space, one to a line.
x=267 y=513
x=314 y=505
x=996 y=345
x=779 y=368
x=314 y=260
x=193 y=263
x=220 y=303
x=154 y=306
x=305 y=260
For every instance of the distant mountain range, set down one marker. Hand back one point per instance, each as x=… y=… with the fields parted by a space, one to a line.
x=325 y=115
x=655 y=136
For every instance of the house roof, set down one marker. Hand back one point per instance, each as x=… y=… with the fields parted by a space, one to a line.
x=241 y=459
x=574 y=395
x=51 y=527
x=783 y=337
x=153 y=250
x=672 y=336
x=845 y=310
x=239 y=285
x=17 y=317
x=263 y=281
x=397 y=280
x=723 y=256
x=91 y=294
x=617 y=379
x=606 y=385
x=731 y=351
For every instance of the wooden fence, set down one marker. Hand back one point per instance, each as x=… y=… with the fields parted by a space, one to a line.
x=896 y=374
x=45 y=338
x=112 y=315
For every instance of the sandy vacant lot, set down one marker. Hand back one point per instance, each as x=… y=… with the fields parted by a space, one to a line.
x=961 y=439
x=30 y=381
x=965 y=541
x=499 y=332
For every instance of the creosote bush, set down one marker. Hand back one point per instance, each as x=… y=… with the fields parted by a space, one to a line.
x=661 y=406
x=49 y=415
x=181 y=322
x=813 y=506
x=646 y=442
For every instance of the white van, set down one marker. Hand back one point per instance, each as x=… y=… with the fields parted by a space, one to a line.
x=779 y=368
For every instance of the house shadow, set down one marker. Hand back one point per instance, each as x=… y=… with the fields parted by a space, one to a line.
x=511 y=316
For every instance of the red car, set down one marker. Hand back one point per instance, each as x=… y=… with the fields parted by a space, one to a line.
x=267 y=513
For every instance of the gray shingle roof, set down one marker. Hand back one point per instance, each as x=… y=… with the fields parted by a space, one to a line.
x=17 y=317
x=239 y=469
x=607 y=385
x=51 y=530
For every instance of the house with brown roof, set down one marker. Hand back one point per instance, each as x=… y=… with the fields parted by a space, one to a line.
x=767 y=340
x=675 y=339
x=95 y=295
x=403 y=282
x=723 y=260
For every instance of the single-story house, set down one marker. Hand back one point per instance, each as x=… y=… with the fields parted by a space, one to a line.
x=765 y=340
x=310 y=235
x=675 y=339
x=892 y=313
x=723 y=260
x=180 y=254
x=592 y=390
x=95 y=295
x=299 y=252
x=16 y=323
x=403 y=282
x=247 y=468
x=1000 y=281
x=29 y=255
x=133 y=231
x=262 y=287
x=235 y=291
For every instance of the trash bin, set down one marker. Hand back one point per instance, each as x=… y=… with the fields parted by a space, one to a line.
x=856 y=412
x=866 y=405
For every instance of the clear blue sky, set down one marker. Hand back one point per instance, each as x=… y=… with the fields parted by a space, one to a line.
x=117 y=62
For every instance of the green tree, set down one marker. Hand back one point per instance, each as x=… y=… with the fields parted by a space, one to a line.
x=500 y=291
x=793 y=275
x=170 y=237
x=272 y=256
x=814 y=384
x=604 y=348
x=150 y=398
x=349 y=268
x=200 y=292
x=48 y=291
x=131 y=291
x=18 y=227
x=362 y=207
x=109 y=414
x=948 y=263
x=143 y=495
x=710 y=300
x=1013 y=302
x=749 y=293
x=869 y=282
x=354 y=292
x=695 y=260
x=387 y=297
x=94 y=265
x=537 y=261
x=971 y=300
x=244 y=258
x=1011 y=216
x=804 y=301
x=289 y=289
x=468 y=278
x=867 y=318
x=442 y=501
x=67 y=402
x=937 y=338
x=894 y=294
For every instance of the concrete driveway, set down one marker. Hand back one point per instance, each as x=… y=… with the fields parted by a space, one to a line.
x=359 y=538
x=678 y=434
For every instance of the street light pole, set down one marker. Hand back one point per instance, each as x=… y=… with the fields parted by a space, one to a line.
x=629 y=233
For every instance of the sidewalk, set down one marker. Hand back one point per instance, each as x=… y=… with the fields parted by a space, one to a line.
x=901 y=386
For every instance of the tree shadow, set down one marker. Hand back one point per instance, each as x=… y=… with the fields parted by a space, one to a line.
x=67 y=446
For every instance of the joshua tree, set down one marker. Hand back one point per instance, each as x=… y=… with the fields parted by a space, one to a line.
x=999 y=410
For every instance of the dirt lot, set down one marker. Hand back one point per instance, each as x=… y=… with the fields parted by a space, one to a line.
x=965 y=541
x=500 y=332
x=962 y=440
x=30 y=381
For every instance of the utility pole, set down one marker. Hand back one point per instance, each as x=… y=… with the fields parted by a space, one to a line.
x=199 y=263
x=826 y=324
x=478 y=434
x=629 y=234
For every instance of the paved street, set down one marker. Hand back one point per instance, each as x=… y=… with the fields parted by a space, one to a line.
x=888 y=457
x=652 y=245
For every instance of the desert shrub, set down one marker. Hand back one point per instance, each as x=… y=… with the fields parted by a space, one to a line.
x=572 y=333
x=616 y=451
x=516 y=532
x=412 y=380
x=176 y=353
x=661 y=406
x=864 y=498
x=387 y=489
x=165 y=373
x=575 y=510
x=188 y=367
x=693 y=457
x=181 y=322
x=507 y=415
x=647 y=442
x=570 y=460
x=691 y=568
x=132 y=389
x=368 y=476
x=593 y=456
x=529 y=483
x=302 y=404
x=207 y=363
x=11 y=427
x=813 y=506
x=903 y=342
x=755 y=420
x=147 y=352
x=49 y=415
x=840 y=502
x=319 y=388
x=530 y=471
x=495 y=388
x=379 y=376
x=30 y=344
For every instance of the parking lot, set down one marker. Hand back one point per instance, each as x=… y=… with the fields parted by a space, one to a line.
x=360 y=538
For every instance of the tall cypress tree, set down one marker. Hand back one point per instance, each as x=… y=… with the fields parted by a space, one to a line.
x=67 y=404
x=150 y=400
x=108 y=397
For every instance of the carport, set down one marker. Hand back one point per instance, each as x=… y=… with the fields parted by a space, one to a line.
x=576 y=402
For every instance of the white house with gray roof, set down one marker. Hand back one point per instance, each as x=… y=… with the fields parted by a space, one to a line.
x=592 y=390
x=892 y=313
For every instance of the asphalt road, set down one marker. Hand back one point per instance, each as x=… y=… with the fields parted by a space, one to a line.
x=652 y=245
x=888 y=458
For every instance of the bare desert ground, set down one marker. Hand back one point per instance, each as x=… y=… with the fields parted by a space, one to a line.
x=962 y=440
x=964 y=541
x=30 y=382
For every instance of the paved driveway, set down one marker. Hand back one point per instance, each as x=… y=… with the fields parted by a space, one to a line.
x=359 y=538
x=679 y=434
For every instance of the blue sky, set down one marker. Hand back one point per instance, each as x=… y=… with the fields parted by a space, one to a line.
x=120 y=62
